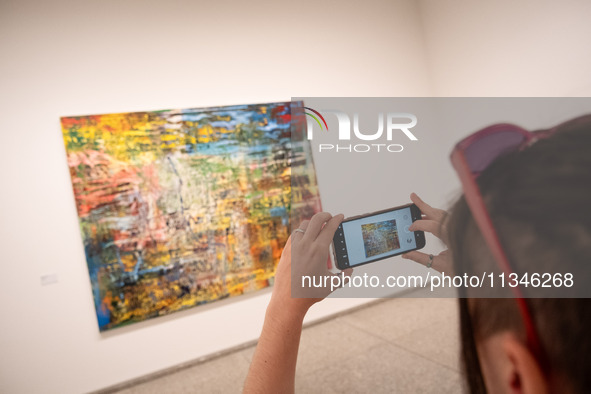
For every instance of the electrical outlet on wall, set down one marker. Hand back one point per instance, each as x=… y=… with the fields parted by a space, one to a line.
x=49 y=279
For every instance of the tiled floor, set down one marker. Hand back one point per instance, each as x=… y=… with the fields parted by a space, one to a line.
x=405 y=345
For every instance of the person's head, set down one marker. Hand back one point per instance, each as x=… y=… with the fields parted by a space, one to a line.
x=540 y=202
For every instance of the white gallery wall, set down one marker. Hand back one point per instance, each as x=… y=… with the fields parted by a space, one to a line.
x=89 y=57
x=86 y=57
x=506 y=48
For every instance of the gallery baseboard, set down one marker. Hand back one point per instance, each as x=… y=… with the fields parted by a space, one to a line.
x=213 y=356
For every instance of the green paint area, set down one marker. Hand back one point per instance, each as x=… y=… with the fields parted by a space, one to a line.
x=184 y=207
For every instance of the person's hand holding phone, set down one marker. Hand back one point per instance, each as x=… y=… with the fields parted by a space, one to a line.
x=305 y=253
x=432 y=222
x=273 y=365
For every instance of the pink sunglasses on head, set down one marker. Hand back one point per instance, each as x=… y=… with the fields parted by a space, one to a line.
x=472 y=156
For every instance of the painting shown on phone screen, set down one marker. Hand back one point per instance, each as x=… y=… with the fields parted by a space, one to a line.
x=380 y=237
x=179 y=208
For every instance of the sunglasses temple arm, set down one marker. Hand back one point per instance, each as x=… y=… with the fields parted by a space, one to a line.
x=484 y=222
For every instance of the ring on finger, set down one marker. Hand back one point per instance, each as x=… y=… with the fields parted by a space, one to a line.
x=430 y=263
x=299 y=230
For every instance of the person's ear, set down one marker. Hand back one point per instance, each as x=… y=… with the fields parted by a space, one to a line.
x=523 y=373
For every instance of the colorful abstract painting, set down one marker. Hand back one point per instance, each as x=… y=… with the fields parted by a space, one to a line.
x=183 y=207
x=380 y=237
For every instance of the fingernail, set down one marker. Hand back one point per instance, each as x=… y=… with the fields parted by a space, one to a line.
x=404 y=256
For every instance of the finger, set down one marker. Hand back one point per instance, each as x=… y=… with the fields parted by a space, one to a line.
x=425 y=208
x=418 y=257
x=438 y=264
x=327 y=233
x=296 y=234
x=315 y=226
x=430 y=226
x=304 y=225
x=428 y=210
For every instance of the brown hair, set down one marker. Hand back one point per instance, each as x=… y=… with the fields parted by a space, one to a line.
x=539 y=200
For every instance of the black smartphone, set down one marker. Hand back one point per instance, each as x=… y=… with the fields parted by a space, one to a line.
x=375 y=236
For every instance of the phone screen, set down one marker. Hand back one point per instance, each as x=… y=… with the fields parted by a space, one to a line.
x=375 y=237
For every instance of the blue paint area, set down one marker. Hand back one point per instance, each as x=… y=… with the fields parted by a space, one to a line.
x=132 y=250
x=270 y=123
x=278 y=211
x=104 y=317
